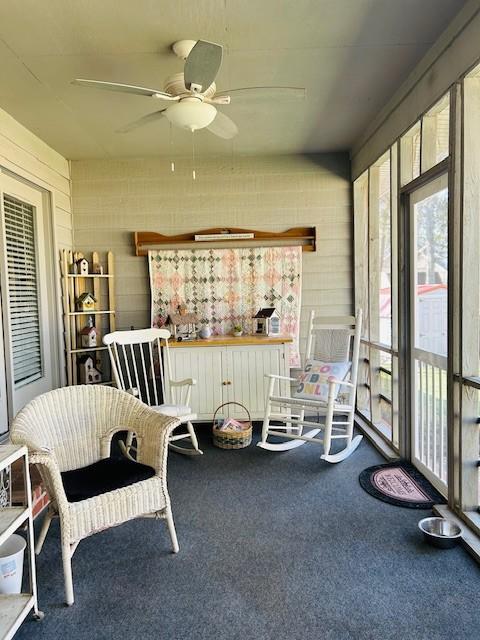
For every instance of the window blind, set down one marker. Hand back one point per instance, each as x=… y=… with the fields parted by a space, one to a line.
x=22 y=290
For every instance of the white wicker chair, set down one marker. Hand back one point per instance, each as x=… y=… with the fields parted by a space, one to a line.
x=71 y=428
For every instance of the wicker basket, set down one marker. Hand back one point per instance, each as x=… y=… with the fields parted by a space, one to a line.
x=232 y=439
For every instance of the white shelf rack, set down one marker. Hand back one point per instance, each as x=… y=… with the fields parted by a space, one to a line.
x=14 y=608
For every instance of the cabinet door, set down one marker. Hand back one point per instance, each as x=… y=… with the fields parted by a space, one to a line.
x=246 y=370
x=205 y=365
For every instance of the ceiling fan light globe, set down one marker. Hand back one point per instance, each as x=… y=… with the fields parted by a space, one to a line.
x=191 y=114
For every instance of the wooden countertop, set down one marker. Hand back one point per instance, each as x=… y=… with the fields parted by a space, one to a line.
x=219 y=341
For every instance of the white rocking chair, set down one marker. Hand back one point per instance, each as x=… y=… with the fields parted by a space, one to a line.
x=139 y=369
x=331 y=340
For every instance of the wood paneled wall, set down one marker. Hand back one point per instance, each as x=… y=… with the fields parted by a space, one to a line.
x=112 y=198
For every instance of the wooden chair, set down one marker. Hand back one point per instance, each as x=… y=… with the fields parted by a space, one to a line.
x=140 y=363
x=68 y=433
x=330 y=340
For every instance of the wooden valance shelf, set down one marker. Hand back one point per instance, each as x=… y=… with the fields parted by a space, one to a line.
x=304 y=236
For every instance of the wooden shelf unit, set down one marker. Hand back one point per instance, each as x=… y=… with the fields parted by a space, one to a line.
x=102 y=287
x=15 y=607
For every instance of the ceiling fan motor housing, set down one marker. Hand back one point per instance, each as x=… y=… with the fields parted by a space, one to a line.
x=175 y=86
x=182 y=48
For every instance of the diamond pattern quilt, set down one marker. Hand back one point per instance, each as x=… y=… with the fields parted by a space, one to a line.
x=226 y=287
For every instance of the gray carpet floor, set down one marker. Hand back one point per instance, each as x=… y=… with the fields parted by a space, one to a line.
x=272 y=546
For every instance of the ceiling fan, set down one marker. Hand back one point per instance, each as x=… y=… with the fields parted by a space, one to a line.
x=192 y=95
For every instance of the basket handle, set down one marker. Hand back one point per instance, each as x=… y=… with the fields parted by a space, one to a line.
x=225 y=404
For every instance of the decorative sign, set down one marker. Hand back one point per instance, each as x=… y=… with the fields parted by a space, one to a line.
x=208 y=237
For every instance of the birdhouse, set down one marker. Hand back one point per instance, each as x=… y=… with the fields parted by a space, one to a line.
x=82 y=267
x=85 y=302
x=267 y=322
x=183 y=326
x=88 y=335
x=88 y=374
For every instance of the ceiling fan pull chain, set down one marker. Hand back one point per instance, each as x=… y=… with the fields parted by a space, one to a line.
x=194 y=175
x=172 y=163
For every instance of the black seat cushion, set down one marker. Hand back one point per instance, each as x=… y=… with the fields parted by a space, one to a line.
x=103 y=476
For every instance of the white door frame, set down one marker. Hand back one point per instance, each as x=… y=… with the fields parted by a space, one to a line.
x=4 y=403
x=39 y=198
x=416 y=354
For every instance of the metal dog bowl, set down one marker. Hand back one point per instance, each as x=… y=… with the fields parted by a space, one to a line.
x=440 y=532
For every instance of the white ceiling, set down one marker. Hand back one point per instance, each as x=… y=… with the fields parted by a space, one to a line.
x=350 y=55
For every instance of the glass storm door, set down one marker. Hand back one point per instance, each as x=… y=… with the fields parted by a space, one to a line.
x=429 y=328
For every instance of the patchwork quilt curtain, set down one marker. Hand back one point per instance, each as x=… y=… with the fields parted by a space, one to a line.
x=226 y=287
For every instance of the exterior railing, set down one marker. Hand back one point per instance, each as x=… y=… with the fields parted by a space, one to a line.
x=431 y=418
x=375 y=394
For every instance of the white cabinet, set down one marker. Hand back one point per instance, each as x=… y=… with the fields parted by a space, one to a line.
x=204 y=364
x=228 y=370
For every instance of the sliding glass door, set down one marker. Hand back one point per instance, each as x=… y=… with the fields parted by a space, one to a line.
x=428 y=297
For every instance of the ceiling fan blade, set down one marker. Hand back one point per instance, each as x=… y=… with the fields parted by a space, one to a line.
x=150 y=117
x=202 y=65
x=249 y=94
x=124 y=88
x=223 y=127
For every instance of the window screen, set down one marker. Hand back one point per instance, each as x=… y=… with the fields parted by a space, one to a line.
x=22 y=290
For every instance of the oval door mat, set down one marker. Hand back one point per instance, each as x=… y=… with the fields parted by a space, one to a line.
x=401 y=484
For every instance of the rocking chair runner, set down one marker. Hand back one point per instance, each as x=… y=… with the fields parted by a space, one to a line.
x=332 y=340
x=139 y=369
